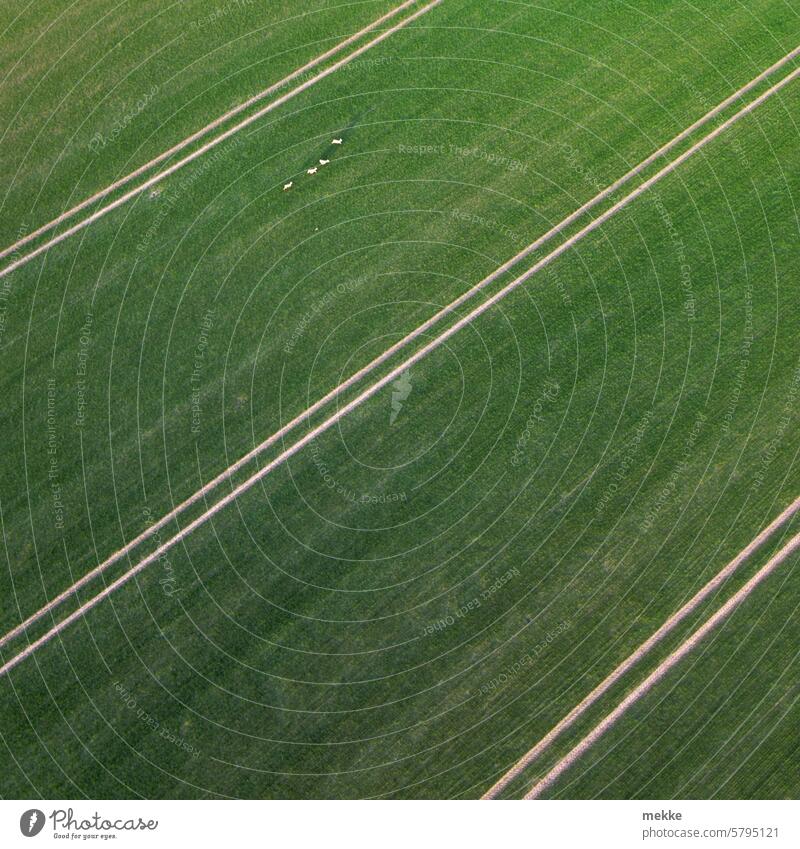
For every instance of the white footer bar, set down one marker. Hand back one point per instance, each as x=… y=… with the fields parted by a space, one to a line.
x=352 y=825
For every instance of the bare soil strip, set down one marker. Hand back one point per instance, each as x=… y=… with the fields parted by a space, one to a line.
x=644 y=649
x=396 y=372
x=231 y=470
x=270 y=107
x=664 y=667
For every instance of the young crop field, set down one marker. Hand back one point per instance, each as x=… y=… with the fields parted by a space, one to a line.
x=308 y=490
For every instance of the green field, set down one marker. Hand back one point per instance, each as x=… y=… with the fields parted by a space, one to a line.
x=576 y=462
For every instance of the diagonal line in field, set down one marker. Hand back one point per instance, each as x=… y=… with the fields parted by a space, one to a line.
x=396 y=372
x=650 y=643
x=157 y=178
x=228 y=473
x=665 y=666
x=261 y=95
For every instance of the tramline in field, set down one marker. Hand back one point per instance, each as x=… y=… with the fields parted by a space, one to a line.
x=218 y=501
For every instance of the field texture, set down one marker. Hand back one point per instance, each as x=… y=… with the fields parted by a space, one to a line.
x=407 y=604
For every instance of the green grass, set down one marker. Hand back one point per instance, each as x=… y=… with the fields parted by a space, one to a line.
x=142 y=76
x=294 y=659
